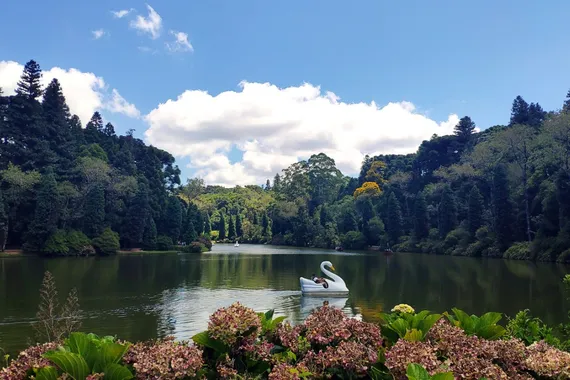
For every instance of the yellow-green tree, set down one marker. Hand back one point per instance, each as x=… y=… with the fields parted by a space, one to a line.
x=370 y=189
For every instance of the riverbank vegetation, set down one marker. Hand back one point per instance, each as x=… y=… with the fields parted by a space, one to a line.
x=69 y=190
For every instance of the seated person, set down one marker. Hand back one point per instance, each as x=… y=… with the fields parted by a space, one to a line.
x=314 y=277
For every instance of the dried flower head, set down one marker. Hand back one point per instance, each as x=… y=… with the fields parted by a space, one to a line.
x=234 y=324
x=27 y=360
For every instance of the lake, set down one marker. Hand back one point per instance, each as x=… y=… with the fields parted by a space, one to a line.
x=142 y=296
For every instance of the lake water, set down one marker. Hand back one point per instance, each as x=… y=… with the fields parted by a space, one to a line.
x=147 y=296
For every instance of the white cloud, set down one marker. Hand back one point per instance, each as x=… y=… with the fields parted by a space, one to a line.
x=98 y=33
x=180 y=43
x=151 y=24
x=274 y=127
x=85 y=92
x=118 y=104
x=122 y=13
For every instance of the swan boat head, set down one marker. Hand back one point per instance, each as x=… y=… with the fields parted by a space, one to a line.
x=334 y=285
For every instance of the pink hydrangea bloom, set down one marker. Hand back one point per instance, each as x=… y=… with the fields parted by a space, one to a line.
x=27 y=360
x=234 y=324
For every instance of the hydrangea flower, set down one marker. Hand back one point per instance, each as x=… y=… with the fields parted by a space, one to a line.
x=403 y=308
x=27 y=360
x=548 y=361
x=234 y=324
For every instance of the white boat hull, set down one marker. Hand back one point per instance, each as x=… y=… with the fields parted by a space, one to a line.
x=311 y=288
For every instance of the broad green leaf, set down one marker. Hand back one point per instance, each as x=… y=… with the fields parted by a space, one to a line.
x=400 y=326
x=490 y=318
x=417 y=372
x=78 y=343
x=109 y=353
x=491 y=332
x=428 y=322
x=277 y=321
x=204 y=339
x=443 y=376
x=390 y=334
x=115 y=371
x=465 y=321
x=47 y=373
x=269 y=314
x=414 y=335
x=277 y=349
x=70 y=363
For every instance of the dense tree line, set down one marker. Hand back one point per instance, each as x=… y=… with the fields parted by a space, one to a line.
x=502 y=192
x=65 y=189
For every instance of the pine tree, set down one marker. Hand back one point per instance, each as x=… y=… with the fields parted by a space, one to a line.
x=268 y=185
x=29 y=86
x=76 y=131
x=94 y=211
x=231 y=228
x=94 y=129
x=190 y=232
x=207 y=224
x=239 y=229
x=149 y=234
x=503 y=210
x=395 y=222
x=277 y=183
x=137 y=215
x=222 y=227
x=475 y=211
x=536 y=115
x=519 y=111
x=172 y=219
x=109 y=130
x=190 y=235
x=3 y=223
x=447 y=212
x=566 y=105
x=421 y=221
x=46 y=214
x=465 y=129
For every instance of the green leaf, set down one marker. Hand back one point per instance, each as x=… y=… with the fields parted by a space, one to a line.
x=204 y=339
x=109 y=353
x=490 y=318
x=70 y=363
x=491 y=332
x=115 y=371
x=465 y=321
x=417 y=372
x=443 y=376
x=47 y=373
x=399 y=326
x=428 y=322
x=78 y=343
x=414 y=335
x=269 y=314
x=390 y=334
x=277 y=321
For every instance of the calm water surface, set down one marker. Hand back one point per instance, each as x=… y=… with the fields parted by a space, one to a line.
x=148 y=296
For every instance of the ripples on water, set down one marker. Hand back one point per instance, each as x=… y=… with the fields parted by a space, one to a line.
x=147 y=296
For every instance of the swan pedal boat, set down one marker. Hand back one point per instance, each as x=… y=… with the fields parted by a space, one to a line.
x=336 y=285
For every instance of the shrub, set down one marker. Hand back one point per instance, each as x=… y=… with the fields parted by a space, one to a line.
x=107 y=243
x=78 y=243
x=204 y=239
x=56 y=244
x=194 y=247
x=354 y=240
x=518 y=251
x=164 y=243
x=484 y=327
x=529 y=329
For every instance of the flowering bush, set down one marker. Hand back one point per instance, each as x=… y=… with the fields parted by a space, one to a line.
x=403 y=308
x=240 y=344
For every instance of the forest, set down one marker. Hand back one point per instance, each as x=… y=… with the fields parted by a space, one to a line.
x=500 y=192
x=69 y=190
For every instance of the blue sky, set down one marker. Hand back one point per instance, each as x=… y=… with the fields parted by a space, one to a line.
x=444 y=57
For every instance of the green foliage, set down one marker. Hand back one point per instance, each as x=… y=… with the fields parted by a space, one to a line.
x=195 y=247
x=94 y=211
x=409 y=326
x=164 y=243
x=173 y=219
x=84 y=354
x=485 y=327
x=417 y=372
x=45 y=219
x=530 y=329
x=447 y=212
x=268 y=323
x=149 y=239
x=354 y=240
x=56 y=244
x=518 y=251
x=107 y=243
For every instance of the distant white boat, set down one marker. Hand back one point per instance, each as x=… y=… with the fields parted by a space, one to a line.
x=236 y=244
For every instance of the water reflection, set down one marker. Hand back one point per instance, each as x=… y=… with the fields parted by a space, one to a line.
x=148 y=296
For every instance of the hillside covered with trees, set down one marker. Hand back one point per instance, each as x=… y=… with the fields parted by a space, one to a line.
x=65 y=189
x=502 y=192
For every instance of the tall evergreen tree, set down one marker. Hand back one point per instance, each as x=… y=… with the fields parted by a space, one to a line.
x=207 y=224
x=231 y=228
x=536 y=115
x=503 y=211
x=94 y=129
x=149 y=234
x=447 y=212
x=222 y=227
x=465 y=129
x=475 y=210
x=277 y=183
x=76 y=131
x=239 y=228
x=268 y=185
x=46 y=214
x=137 y=215
x=94 y=211
x=29 y=85
x=190 y=234
x=3 y=223
x=172 y=219
x=566 y=105
x=421 y=221
x=394 y=223
x=519 y=111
